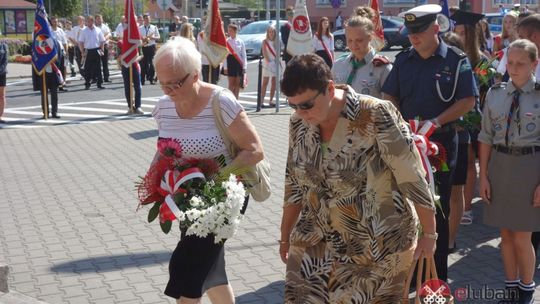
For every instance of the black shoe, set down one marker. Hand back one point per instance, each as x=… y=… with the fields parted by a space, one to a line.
x=142 y=82
x=2 y=121
x=86 y=86
x=526 y=296
x=100 y=87
x=107 y=80
x=151 y=82
x=55 y=116
x=62 y=89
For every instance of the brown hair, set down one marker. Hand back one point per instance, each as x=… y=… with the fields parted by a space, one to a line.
x=364 y=11
x=453 y=39
x=233 y=26
x=471 y=45
x=320 y=29
x=360 y=21
x=531 y=23
x=526 y=45
x=305 y=72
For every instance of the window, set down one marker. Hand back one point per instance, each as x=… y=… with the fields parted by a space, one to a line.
x=328 y=3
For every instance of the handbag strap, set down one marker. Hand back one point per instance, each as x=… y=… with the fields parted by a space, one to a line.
x=223 y=131
x=430 y=274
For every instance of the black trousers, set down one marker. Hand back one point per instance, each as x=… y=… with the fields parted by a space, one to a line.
x=52 y=87
x=105 y=63
x=206 y=72
x=147 y=66
x=136 y=85
x=71 y=56
x=92 y=67
x=443 y=183
x=78 y=59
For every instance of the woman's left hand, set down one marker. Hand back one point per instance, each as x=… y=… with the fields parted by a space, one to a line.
x=427 y=245
x=536 y=197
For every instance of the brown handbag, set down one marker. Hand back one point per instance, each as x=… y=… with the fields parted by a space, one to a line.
x=426 y=269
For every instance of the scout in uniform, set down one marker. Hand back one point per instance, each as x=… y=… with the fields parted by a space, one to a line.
x=510 y=167
x=149 y=35
x=362 y=69
x=433 y=81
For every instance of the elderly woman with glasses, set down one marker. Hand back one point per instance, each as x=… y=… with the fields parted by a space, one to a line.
x=355 y=190
x=185 y=114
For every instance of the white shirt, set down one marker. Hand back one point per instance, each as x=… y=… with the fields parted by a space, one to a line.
x=317 y=44
x=199 y=136
x=77 y=31
x=119 y=30
x=105 y=30
x=91 y=37
x=149 y=31
x=60 y=36
x=240 y=49
x=71 y=35
x=201 y=47
x=501 y=68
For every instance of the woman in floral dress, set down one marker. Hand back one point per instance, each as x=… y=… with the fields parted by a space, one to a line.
x=355 y=189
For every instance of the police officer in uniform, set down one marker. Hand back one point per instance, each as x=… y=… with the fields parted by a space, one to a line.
x=362 y=69
x=433 y=81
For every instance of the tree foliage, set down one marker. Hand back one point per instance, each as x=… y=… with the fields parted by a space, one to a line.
x=111 y=11
x=62 y=8
x=251 y=4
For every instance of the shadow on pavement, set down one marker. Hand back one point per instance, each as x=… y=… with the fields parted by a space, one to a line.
x=113 y=263
x=270 y=294
x=144 y=134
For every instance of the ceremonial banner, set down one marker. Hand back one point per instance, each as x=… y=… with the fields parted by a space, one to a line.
x=446 y=12
x=215 y=41
x=131 y=39
x=378 y=39
x=43 y=50
x=300 y=37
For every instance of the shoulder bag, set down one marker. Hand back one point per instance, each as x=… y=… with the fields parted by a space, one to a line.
x=257 y=178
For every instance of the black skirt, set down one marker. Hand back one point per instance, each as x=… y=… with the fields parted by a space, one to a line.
x=324 y=55
x=196 y=265
x=234 y=68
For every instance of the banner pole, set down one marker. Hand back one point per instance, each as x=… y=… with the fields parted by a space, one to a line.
x=131 y=87
x=210 y=68
x=44 y=97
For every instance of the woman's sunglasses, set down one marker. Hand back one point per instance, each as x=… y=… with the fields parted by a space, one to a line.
x=306 y=105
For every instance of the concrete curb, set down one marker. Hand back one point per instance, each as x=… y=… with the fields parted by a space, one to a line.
x=4 y=273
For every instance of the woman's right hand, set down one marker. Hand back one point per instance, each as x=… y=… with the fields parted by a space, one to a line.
x=485 y=189
x=284 y=251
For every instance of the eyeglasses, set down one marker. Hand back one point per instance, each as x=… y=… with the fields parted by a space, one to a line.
x=167 y=88
x=306 y=105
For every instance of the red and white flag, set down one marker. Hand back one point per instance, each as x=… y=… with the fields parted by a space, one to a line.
x=215 y=41
x=131 y=39
x=378 y=40
x=300 y=38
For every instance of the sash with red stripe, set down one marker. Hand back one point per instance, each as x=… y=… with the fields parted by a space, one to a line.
x=270 y=48
x=231 y=50
x=325 y=48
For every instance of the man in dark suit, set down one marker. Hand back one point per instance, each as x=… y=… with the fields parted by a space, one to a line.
x=285 y=30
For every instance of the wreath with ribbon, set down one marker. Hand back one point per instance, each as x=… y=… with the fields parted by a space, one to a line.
x=336 y=3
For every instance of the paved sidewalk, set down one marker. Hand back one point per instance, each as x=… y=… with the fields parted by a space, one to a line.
x=70 y=233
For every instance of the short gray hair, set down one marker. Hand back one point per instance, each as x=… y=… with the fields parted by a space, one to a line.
x=185 y=56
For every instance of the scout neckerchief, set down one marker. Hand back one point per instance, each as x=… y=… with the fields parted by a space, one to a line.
x=514 y=107
x=233 y=52
x=325 y=48
x=356 y=64
x=270 y=48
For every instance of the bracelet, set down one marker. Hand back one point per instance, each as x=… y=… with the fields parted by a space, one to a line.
x=282 y=242
x=432 y=236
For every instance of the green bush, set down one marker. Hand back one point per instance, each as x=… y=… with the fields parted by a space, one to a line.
x=15 y=46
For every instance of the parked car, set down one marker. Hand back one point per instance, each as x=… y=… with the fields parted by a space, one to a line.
x=392 y=34
x=494 y=21
x=253 y=35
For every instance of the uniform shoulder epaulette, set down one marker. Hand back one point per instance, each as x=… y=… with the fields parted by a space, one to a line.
x=458 y=52
x=380 y=60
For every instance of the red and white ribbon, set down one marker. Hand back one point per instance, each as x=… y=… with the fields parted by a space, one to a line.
x=171 y=182
x=425 y=147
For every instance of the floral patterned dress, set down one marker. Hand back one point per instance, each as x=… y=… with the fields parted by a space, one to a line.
x=355 y=237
